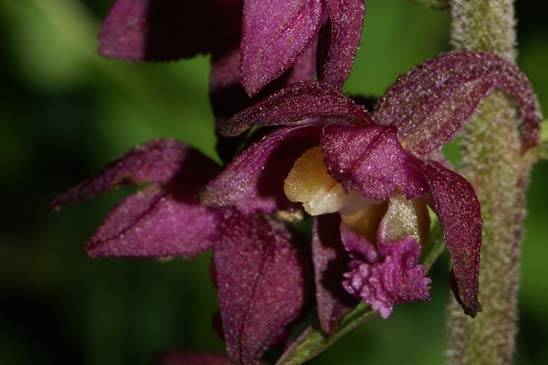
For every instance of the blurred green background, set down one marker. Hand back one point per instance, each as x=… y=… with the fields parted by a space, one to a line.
x=65 y=112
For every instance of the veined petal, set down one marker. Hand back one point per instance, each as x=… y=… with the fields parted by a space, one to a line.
x=254 y=180
x=300 y=103
x=345 y=23
x=195 y=359
x=458 y=209
x=155 y=223
x=432 y=102
x=393 y=276
x=330 y=262
x=158 y=161
x=147 y=30
x=371 y=161
x=275 y=34
x=260 y=284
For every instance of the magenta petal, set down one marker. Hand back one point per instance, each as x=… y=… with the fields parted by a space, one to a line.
x=432 y=102
x=147 y=30
x=158 y=161
x=154 y=224
x=345 y=23
x=299 y=103
x=394 y=277
x=458 y=209
x=371 y=160
x=260 y=284
x=195 y=359
x=254 y=180
x=275 y=34
x=330 y=261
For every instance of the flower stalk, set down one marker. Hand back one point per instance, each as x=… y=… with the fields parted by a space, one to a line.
x=492 y=161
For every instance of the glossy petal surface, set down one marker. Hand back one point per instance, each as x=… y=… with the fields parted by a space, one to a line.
x=345 y=23
x=370 y=160
x=154 y=223
x=330 y=262
x=458 y=209
x=260 y=284
x=275 y=34
x=299 y=103
x=385 y=276
x=158 y=161
x=254 y=180
x=432 y=102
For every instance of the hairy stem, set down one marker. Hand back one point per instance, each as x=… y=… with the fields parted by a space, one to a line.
x=492 y=161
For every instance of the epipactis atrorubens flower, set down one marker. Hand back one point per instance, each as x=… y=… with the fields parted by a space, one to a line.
x=375 y=174
x=251 y=253
x=252 y=42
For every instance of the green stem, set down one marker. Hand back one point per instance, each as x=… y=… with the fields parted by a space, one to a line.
x=493 y=163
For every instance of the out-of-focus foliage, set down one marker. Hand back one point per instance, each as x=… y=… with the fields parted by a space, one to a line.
x=65 y=112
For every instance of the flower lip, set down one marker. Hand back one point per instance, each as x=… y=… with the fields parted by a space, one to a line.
x=385 y=275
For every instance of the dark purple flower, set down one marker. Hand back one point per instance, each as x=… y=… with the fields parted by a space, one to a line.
x=253 y=43
x=256 y=261
x=378 y=173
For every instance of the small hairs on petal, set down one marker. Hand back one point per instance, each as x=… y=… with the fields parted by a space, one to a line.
x=254 y=180
x=371 y=161
x=300 y=103
x=155 y=223
x=345 y=25
x=432 y=102
x=275 y=34
x=458 y=209
x=260 y=282
x=158 y=161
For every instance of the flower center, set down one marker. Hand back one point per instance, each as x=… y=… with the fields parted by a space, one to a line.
x=309 y=183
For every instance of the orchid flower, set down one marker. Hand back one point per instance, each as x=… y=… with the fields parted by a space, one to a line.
x=377 y=173
x=251 y=253
x=252 y=42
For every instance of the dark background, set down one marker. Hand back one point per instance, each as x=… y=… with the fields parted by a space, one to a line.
x=65 y=112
